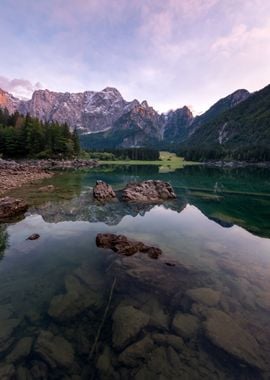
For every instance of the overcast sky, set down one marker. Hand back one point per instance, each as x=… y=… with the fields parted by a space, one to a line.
x=170 y=52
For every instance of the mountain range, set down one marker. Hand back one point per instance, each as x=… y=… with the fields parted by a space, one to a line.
x=105 y=120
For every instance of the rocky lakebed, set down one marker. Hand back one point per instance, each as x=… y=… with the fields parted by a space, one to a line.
x=129 y=308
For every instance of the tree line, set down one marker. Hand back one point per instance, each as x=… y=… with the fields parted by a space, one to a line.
x=141 y=154
x=249 y=153
x=28 y=137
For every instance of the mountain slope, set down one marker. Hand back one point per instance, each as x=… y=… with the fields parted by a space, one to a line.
x=141 y=126
x=220 y=106
x=177 y=125
x=242 y=128
x=87 y=111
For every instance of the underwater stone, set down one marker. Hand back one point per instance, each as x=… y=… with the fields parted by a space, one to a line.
x=185 y=325
x=7 y=327
x=127 y=323
x=7 y=371
x=54 y=350
x=206 y=296
x=224 y=332
x=169 y=340
x=21 y=350
x=136 y=352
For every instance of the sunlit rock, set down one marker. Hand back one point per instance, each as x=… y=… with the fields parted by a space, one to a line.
x=103 y=192
x=148 y=191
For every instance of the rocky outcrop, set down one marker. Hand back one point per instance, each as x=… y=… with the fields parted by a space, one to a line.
x=148 y=191
x=103 y=192
x=11 y=207
x=122 y=245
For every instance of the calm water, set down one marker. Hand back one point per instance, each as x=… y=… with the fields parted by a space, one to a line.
x=70 y=310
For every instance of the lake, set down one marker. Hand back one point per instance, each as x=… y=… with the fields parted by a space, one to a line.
x=70 y=310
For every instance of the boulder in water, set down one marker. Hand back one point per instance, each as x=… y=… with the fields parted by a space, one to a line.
x=148 y=191
x=10 y=207
x=103 y=192
x=121 y=244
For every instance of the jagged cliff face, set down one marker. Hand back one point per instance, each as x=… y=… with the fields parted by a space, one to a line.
x=106 y=119
x=177 y=124
x=9 y=102
x=141 y=125
x=88 y=111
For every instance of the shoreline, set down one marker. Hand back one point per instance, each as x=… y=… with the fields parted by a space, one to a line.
x=14 y=174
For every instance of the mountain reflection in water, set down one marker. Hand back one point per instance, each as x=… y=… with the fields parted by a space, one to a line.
x=206 y=317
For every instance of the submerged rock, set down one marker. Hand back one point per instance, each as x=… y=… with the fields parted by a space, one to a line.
x=127 y=324
x=7 y=327
x=33 y=237
x=136 y=352
x=169 y=340
x=103 y=192
x=10 y=207
x=76 y=300
x=206 y=296
x=48 y=188
x=7 y=372
x=104 y=365
x=127 y=247
x=21 y=350
x=185 y=325
x=224 y=332
x=54 y=350
x=148 y=191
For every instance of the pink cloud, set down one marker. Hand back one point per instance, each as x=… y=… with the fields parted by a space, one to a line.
x=19 y=87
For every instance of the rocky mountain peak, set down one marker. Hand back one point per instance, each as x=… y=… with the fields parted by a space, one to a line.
x=177 y=123
x=9 y=102
x=237 y=97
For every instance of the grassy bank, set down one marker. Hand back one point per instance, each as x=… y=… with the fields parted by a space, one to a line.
x=167 y=162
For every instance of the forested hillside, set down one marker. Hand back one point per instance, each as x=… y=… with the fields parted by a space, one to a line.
x=241 y=133
x=28 y=137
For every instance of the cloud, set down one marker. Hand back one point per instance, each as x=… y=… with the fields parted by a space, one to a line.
x=19 y=87
x=241 y=38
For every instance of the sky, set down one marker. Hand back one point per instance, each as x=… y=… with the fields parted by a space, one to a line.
x=170 y=52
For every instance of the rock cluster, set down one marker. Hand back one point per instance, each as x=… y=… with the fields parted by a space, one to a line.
x=14 y=174
x=148 y=191
x=124 y=246
x=11 y=207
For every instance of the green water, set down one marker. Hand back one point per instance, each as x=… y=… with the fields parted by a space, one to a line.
x=216 y=238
